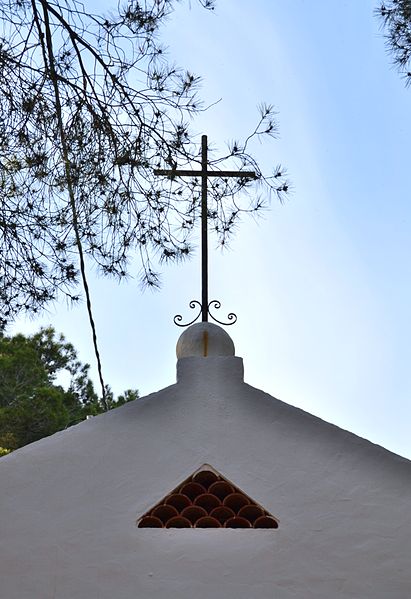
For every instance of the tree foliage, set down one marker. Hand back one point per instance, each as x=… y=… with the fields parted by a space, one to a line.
x=396 y=19
x=33 y=403
x=89 y=105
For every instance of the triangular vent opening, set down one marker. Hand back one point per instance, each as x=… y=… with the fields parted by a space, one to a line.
x=207 y=500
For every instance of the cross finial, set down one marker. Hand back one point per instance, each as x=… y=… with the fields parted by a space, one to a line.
x=204 y=173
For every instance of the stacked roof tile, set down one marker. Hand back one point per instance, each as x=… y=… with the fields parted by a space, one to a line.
x=207 y=500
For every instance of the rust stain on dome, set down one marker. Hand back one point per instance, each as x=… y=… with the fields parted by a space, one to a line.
x=207 y=500
x=205 y=343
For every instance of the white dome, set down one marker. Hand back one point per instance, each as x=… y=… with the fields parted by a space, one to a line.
x=204 y=339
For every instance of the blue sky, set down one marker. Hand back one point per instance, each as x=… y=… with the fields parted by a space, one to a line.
x=321 y=284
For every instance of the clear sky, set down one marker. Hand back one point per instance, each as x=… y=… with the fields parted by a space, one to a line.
x=321 y=284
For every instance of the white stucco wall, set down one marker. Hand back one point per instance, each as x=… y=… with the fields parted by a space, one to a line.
x=69 y=503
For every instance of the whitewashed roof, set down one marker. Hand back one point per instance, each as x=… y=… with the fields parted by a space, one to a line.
x=69 y=503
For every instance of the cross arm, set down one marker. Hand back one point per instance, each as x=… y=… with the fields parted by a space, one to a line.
x=188 y=173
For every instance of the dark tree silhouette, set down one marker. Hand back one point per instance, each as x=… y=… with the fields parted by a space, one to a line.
x=89 y=106
x=395 y=16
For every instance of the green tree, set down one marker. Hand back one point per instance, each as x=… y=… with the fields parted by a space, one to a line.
x=32 y=402
x=395 y=16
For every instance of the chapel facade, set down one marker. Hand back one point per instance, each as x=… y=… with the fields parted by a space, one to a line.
x=209 y=488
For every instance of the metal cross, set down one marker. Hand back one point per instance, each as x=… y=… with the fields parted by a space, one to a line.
x=204 y=173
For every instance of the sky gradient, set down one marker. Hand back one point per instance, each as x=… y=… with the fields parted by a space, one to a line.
x=321 y=284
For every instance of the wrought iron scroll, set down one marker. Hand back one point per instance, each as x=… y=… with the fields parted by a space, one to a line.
x=232 y=318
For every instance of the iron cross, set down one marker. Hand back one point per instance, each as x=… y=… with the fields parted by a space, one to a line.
x=204 y=173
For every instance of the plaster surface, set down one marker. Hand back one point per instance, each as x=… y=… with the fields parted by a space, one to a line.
x=69 y=503
x=204 y=339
